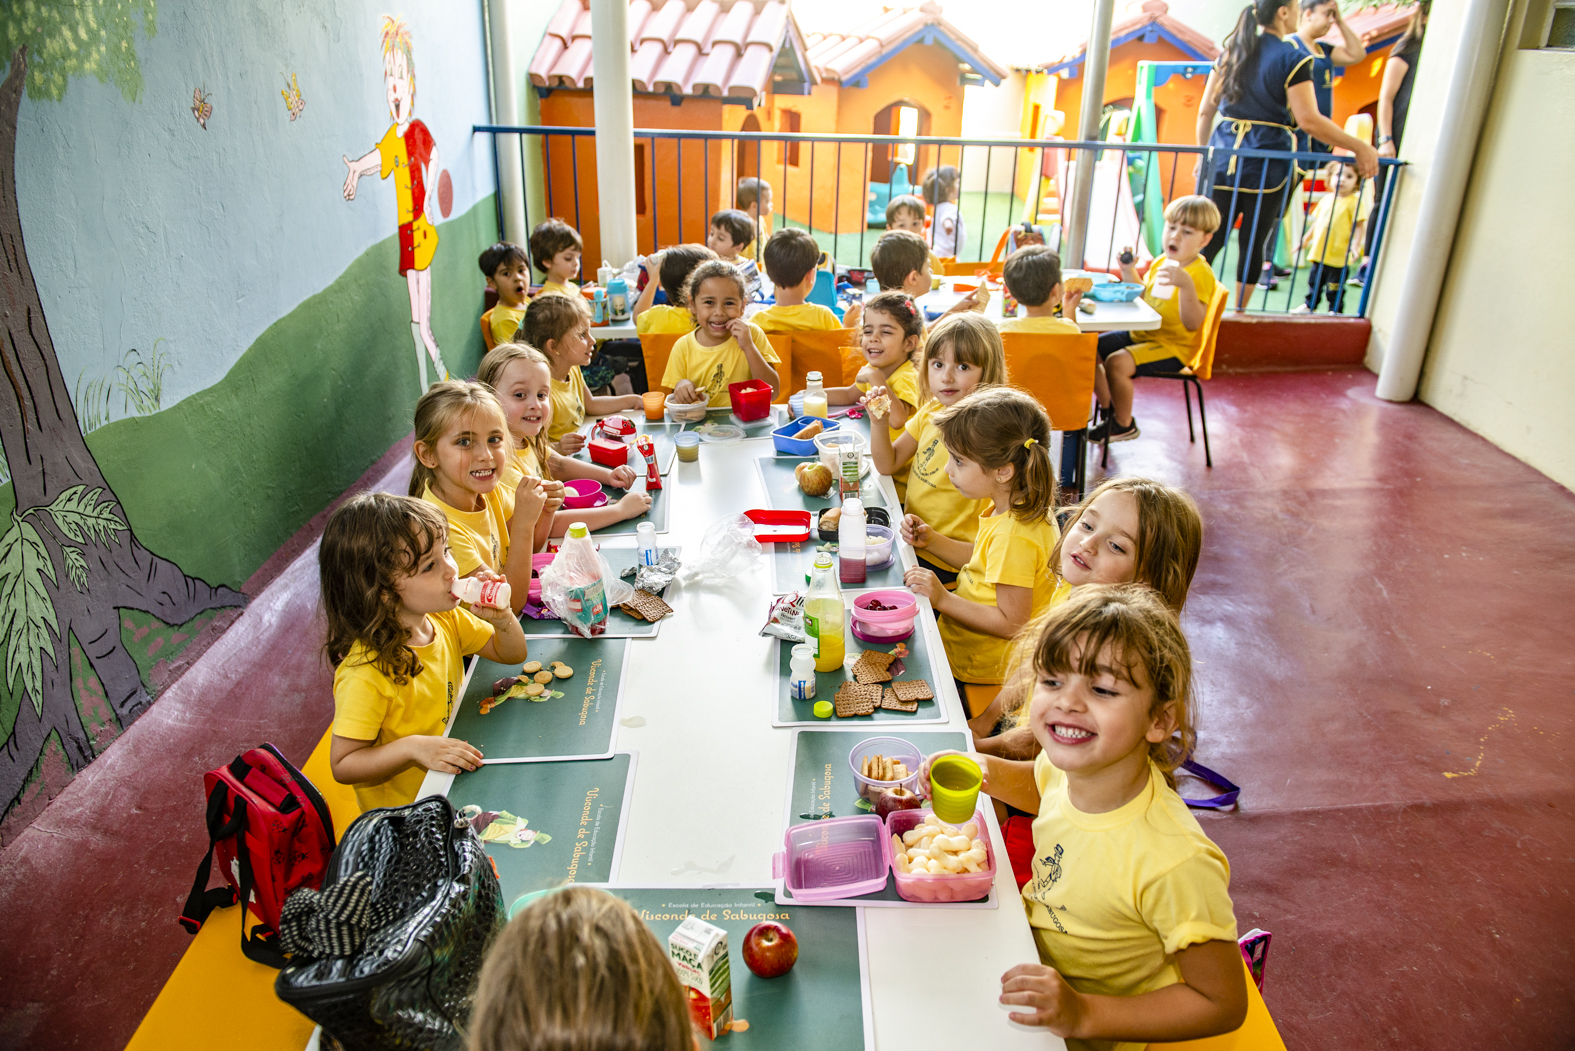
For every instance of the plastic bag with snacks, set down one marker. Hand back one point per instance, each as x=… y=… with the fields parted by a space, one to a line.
x=787 y=619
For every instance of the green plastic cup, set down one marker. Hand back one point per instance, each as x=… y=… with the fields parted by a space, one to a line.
x=954 y=788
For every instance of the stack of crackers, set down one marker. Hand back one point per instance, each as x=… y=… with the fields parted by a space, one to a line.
x=905 y=696
x=646 y=606
x=864 y=694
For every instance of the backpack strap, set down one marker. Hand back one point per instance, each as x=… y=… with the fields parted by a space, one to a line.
x=262 y=946
x=202 y=901
x=1220 y=802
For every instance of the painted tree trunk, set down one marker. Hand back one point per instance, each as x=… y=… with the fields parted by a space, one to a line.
x=69 y=562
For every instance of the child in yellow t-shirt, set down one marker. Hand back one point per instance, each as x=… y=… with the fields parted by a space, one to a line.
x=730 y=231
x=962 y=353
x=560 y=327
x=893 y=329
x=522 y=378
x=792 y=258
x=753 y=198
x=1129 y=900
x=1033 y=277
x=1335 y=236
x=397 y=640
x=723 y=348
x=508 y=274
x=998 y=446
x=461 y=449
x=668 y=269
x=556 y=247
x=1180 y=286
x=906 y=212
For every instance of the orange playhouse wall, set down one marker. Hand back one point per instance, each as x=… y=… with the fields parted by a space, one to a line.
x=659 y=197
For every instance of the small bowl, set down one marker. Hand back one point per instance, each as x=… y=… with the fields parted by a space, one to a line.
x=964 y=886
x=891 y=748
x=830 y=444
x=884 y=625
x=873 y=516
x=878 y=555
x=1115 y=292
x=580 y=493
x=686 y=412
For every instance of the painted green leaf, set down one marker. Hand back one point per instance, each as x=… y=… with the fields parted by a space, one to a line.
x=76 y=567
x=81 y=517
x=83 y=38
x=27 y=615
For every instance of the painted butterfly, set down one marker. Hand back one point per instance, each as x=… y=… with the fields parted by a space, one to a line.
x=201 y=108
x=292 y=97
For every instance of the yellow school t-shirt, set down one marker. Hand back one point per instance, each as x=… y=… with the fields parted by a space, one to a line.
x=505 y=323
x=1333 y=223
x=904 y=386
x=931 y=495
x=477 y=538
x=568 y=404
x=712 y=368
x=369 y=706
x=1115 y=896
x=1058 y=326
x=799 y=317
x=555 y=288
x=1171 y=339
x=665 y=318
x=1005 y=551
x=521 y=462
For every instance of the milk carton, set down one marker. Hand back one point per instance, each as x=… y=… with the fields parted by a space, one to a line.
x=699 y=953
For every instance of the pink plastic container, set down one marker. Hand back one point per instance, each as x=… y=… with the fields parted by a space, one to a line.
x=538 y=563
x=926 y=888
x=580 y=493
x=885 y=624
x=841 y=857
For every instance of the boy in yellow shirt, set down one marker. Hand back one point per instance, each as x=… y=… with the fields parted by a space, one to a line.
x=556 y=247
x=731 y=230
x=753 y=198
x=508 y=274
x=792 y=259
x=1180 y=286
x=670 y=269
x=1335 y=236
x=1033 y=276
x=906 y=212
x=901 y=262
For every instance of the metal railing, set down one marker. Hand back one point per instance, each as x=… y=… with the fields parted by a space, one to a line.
x=1133 y=181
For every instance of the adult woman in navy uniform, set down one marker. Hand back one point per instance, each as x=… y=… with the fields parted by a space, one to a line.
x=1262 y=88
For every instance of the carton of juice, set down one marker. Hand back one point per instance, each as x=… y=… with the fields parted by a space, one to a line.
x=699 y=953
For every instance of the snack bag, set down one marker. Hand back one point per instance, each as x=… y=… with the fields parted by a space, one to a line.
x=579 y=585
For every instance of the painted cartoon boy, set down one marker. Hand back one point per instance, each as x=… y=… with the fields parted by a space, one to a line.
x=408 y=153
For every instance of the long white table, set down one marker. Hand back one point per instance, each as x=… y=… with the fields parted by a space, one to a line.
x=710 y=783
x=1136 y=316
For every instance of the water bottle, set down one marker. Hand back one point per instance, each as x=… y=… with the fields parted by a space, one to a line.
x=824 y=614
x=851 y=541
x=599 y=307
x=814 y=396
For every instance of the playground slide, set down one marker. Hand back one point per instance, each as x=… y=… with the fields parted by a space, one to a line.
x=1112 y=217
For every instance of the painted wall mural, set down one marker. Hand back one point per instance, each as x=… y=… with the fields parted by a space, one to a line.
x=200 y=331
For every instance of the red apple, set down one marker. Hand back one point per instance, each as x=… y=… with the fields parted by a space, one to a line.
x=770 y=949
x=894 y=799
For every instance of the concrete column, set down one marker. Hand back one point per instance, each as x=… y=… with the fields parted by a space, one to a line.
x=1096 y=61
x=1470 y=90
x=613 y=101
x=505 y=110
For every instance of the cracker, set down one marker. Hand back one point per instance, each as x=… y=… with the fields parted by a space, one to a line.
x=856 y=699
x=913 y=690
x=647 y=606
x=872 y=667
x=879 y=657
x=892 y=703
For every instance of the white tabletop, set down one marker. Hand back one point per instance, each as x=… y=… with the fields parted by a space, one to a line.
x=614 y=330
x=1135 y=316
x=711 y=781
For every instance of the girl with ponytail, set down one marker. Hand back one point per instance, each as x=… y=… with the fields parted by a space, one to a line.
x=998 y=447
x=1262 y=88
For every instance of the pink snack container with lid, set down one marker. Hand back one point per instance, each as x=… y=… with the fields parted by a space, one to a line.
x=968 y=886
x=840 y=857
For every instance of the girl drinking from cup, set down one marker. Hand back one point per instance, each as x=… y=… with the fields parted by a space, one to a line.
x=963 y=352
x=997 y=446
x=723 y=348
x=522 y=378
x=1129 y=901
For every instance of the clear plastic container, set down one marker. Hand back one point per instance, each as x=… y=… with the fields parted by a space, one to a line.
x=892 y=748
x=841 y=857
x=968 y=886
x=851 y=543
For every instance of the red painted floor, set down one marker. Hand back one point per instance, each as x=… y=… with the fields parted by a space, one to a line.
x=1383 y=602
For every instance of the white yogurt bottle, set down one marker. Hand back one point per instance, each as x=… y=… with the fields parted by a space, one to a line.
x=801 y=672
x=494 y=593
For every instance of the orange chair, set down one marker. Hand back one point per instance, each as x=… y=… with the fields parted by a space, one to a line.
x=657 y=347
x=834 y=353
x=486 y=329
x=1059 y=371
x=1200 y=368
x=952 y=268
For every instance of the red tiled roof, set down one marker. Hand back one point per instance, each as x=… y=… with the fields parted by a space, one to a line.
x=680 y=47
x=1378 y=23
x=1140 y=14
x=843 y=56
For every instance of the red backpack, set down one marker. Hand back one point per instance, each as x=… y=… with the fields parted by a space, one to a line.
x=272 y=833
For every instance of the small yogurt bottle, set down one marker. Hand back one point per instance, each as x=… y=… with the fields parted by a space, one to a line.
x=801 y=673
x=494 y=593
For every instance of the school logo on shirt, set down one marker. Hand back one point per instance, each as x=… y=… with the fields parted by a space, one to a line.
x=930 y=461
x=1047 y=872
x=717 y=384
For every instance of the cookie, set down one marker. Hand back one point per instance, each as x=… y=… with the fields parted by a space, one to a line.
x=646 y=606
x=913 y=690
x=878 y=657
x=532 y=668
x=856 y=699
x=535 y=690
x=563 y=671
x=871 y=667
x=543 y=677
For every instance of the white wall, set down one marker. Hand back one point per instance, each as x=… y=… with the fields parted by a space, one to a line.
x=991 y=113
x=1498 y=360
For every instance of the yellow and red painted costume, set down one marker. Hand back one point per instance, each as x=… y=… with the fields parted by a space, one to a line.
x=406 y=158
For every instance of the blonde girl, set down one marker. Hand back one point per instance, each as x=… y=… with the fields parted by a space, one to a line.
x=723 y=348
x=461 y=449
x=397 y=639
x=1129 y=901
x=521 y=376
x=963 y=352
x=578 y=968
x=560 y=327
x=997 y=443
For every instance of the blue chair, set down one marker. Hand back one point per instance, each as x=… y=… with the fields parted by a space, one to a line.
x=881 y=194
x=825 y=291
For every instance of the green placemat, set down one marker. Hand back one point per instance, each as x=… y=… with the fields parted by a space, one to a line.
x=657 y=512
x=915 y=656
x=661 y=433
x=761 y=428
x=783 y=493
x=577 y=723
x=821 y=1003
x=566 y=817
x=822 y=786
x=619 y=624
x=791 y=563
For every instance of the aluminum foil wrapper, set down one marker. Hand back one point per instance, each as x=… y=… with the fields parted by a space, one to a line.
x=654 y=578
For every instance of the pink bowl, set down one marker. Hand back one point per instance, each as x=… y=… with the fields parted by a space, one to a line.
x=581 y=492
x=907 y=607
